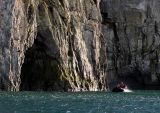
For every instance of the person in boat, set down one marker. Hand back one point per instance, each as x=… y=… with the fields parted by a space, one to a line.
x=120 y=87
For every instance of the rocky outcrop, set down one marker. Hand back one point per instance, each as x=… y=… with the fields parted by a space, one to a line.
x=51 y=45
x=132 y=32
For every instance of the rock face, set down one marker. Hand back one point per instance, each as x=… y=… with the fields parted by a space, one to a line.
x=51 y=45
x=132 y=32
x=16 y=34
x=79 y=45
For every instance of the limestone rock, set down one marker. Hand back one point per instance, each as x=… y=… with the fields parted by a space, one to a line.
x=51 y=45
x=78 y=45
x=131 y=31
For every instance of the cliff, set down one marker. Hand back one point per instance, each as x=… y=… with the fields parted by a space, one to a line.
x=51 y=45
x=132 y=32
x=78 y=45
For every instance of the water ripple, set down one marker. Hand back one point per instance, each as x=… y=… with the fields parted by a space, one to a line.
x=88 y=102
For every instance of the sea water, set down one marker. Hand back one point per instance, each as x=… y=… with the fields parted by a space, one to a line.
x=80 y=102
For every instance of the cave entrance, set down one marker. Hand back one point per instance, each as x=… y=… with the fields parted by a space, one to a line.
x=40 y=68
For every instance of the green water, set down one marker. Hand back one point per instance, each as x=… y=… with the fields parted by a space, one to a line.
x=84 y=102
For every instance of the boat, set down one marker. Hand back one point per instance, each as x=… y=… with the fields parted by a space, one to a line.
x=117 y=89
x=121 y=87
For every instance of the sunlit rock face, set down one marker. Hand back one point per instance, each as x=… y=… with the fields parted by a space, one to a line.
x=132 y=32
x=52 y=45
x=16 y=35
x=79 y=45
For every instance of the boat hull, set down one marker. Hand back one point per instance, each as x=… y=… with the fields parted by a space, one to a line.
x=117 y=90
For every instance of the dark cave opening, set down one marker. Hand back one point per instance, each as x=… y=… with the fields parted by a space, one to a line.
x=40 y=68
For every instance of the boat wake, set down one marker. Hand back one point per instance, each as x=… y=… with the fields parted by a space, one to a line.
x=127 y=90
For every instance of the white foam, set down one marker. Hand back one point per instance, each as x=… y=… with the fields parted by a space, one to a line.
x=127 y=90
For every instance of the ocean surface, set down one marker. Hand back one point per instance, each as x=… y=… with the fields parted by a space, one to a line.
x=80 y=102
